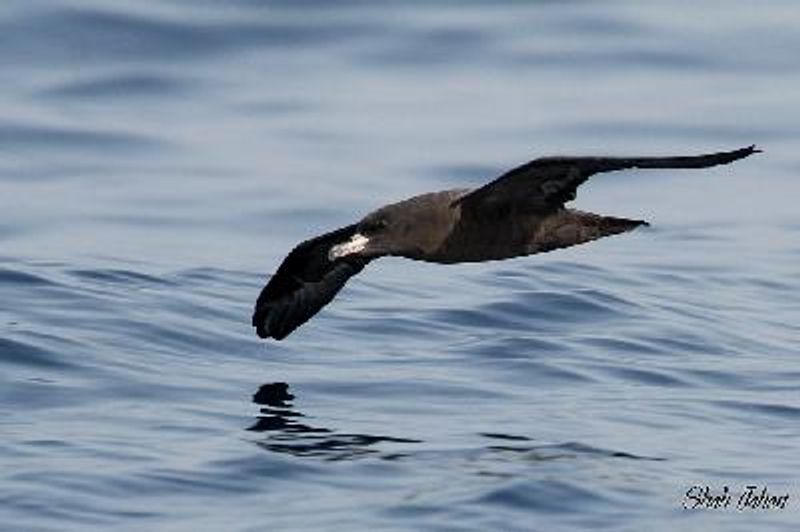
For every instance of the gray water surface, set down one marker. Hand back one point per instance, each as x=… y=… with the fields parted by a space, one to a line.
x=159 y=158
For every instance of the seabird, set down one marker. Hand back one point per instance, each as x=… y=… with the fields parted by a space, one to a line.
x=521 y=212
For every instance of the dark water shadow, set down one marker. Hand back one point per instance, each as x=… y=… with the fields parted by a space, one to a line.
x=543 y=452
x=288 y=433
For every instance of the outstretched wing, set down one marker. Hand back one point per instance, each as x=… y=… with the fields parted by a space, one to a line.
x=546 y=184
x=305 y=282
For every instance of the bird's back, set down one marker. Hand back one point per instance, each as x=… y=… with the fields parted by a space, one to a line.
x=516 y=234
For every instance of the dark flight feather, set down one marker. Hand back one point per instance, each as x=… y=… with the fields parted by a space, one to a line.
x=305 y=282
x=545 y=184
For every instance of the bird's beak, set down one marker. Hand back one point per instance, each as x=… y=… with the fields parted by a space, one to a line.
x=356 y=244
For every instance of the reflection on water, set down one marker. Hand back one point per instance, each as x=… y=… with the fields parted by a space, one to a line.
x=288 y=435
x=555 y=451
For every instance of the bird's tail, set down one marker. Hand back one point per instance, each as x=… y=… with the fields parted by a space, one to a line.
x=570 y=227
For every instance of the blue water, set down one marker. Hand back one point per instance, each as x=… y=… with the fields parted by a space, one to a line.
x=159 y=158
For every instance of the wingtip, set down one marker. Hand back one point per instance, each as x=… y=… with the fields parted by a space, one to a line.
x=267 y=325
x=749 y=150
x=261 y=331
x=259 y=322
x=265 y=334
x=753 y=149
x=735 y=155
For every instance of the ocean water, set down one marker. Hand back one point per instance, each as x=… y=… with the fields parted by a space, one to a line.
x=159 y=158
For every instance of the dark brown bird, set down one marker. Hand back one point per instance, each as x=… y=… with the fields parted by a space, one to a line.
x=521 y=212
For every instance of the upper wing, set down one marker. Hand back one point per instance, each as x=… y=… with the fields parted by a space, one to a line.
x=547 y=183
x=305 y=282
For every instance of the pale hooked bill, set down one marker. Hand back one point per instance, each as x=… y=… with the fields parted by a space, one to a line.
x=356 y=244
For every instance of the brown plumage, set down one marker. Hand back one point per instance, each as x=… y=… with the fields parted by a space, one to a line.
x=521 y=212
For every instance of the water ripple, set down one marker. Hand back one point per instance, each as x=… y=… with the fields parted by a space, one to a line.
x=119 y=86
x=99 y=35
x=26 y=354
x=537 y=310
x=19 y=277
x=37 y=138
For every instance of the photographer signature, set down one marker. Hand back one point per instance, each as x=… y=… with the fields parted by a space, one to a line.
x=750 y=498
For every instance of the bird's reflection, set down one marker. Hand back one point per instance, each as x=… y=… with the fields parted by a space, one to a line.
x=523 y=446
x=287 y=434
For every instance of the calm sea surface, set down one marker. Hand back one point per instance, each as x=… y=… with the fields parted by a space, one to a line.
x=159 y=158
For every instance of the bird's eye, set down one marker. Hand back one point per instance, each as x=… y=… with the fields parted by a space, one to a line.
x=372 y=226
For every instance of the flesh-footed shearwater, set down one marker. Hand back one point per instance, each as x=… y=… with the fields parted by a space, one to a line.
x=521 y=212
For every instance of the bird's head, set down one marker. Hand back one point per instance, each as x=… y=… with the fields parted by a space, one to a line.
x=381 y=232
